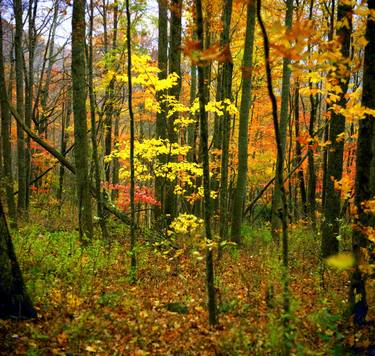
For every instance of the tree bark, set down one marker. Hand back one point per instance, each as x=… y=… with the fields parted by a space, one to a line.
x=161 y=117
x=202 y=88
x=300 y=176
x=170 y=207
x=331 y=211
x=276 y=198
x=227 y=95
x=240 y=193
x=95 y=155
x=133 y=263
x=5 y=137
x=279 y=176
x=80 y=119
x=14 y=300
x=21 y=162
x=365 y=175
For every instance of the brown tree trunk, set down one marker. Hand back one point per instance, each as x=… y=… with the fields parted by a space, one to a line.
x=365 y=176
x=331 y=211
x=14 y=300
x=80 y=119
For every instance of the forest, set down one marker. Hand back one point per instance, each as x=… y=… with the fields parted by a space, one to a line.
x=187 y=177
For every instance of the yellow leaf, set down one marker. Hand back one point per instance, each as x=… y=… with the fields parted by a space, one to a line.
x=90 y=349
x=342 y=261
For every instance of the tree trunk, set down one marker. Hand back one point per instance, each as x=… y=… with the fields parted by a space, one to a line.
x=311 y=189
x=33 y=5
x=365 y=175
x=326 y=130
x=95 y=155
x=63 y=144
x=279 y=176
x=240 y=193
x=331 y=211
x=133 y=263
x=300 y=176
x=80 y=119
x=276 y=198
x=5 y=137
x=116 y=132
x=14 y=300
x=21 y=162
x=51 y=61
x=227 y=95
x=170 y=207
x=161 y=117
x=202 y=88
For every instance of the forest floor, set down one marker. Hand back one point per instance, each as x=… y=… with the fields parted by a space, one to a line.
x=86 y=305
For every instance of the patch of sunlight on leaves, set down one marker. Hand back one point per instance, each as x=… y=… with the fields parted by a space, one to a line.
x=341 y=261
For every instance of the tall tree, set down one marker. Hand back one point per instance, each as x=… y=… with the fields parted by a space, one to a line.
x=5 y=135
x=14 y=300
x=331 y=33
x=226 y=95
x=284 y=119
x=21 y=162
x=161 y=117
x=311 y=189
x=280 y=177
x=32 y=10
x=332 y=206
x=174 y=67
x=133 y=263
x=365 y=175
x=95 y=154
x=203 y=95
x=247 y=69
x=300 y=175
x=80 y=119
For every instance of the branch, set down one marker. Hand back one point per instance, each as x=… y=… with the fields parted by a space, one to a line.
x=60 y=157
x=250 y=206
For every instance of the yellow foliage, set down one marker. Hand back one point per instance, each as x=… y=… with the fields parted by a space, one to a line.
x=185 y=224
x=341 y=261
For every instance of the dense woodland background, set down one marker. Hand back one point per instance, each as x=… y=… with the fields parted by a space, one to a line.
x=187 y=177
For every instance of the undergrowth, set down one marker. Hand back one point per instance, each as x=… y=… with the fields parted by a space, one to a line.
x=85 y=303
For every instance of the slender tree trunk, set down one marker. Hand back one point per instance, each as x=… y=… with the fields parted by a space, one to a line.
x=276 y=198
x=116 y=131
x=331 y=211
x=21 y=162
x=14 y=300
x=202 y=88
x=5 y=137
x=133 y=263
x=326 y=130
x=161 y=117
x=279 y=177
x=227 y=95
x=174 y=67
x=80 y=119
x=95 y=155
x=63 y=144
x=365 y=176
x=300 y=175
x=33 y=5
x=116 y=163
x=240 y=192
x=51 y=61
x=311 y=188
x=191 y=134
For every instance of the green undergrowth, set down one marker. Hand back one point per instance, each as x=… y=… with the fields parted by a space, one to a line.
x=87 y=305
